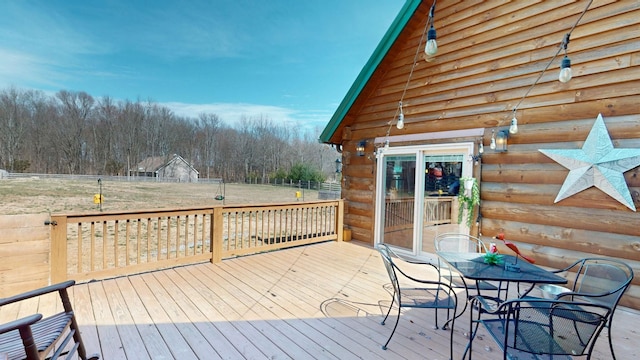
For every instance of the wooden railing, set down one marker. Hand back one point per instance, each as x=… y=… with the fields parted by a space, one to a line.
x=399 y=213
x=102 y=245
x=440 y=210
x=437 y=210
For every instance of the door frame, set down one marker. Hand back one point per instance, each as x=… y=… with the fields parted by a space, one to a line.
x=419 y=151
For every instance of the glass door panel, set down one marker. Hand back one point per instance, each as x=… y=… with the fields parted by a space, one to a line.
x=399 y=201
x=441 y=184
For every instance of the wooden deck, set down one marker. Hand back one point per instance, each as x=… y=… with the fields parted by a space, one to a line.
x=312 y=302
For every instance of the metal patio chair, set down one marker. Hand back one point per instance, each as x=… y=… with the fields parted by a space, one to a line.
x=37 y=338
x=599 y=281
x=540 y=328
x=411 y=292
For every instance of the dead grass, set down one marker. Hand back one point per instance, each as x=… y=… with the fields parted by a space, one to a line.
x=31 y=196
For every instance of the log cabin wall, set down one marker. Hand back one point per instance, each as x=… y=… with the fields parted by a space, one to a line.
x=490 y=53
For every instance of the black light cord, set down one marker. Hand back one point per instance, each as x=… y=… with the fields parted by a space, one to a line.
x=563 y=46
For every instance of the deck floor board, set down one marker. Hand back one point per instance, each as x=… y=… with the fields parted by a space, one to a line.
x=322 y=301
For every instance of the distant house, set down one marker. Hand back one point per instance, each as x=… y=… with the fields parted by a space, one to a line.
x=166 y=167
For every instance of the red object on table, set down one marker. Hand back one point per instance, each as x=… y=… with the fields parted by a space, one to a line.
x=513 y=247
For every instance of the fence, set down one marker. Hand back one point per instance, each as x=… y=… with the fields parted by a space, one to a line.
x=93 y=246
x=7 y=175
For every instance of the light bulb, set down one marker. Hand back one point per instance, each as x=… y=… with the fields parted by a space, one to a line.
x=565 y=70
x=513 y=129
x=481 y=148
x=400 y=123
x=432 y=46
x=493 y=141
x=386 y=144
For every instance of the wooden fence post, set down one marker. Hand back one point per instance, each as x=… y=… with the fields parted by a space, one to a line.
x=340 y=220
x=217 y=227
x=58 y=249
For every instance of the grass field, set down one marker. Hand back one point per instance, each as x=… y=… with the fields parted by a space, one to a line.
x=31 y=196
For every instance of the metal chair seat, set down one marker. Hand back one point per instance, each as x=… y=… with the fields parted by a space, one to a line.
x=541 y=328
x=431 y=298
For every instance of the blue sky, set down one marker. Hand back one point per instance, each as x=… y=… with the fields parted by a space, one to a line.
x=287 y=60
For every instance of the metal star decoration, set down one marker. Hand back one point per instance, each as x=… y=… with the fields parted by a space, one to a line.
x=597 y=164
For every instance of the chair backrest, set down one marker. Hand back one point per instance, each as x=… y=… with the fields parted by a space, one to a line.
x=454 y=242
x=601 y=281
x=552 y=327
x=385 y=253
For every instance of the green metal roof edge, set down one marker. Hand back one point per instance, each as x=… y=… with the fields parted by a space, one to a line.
x=365 y=74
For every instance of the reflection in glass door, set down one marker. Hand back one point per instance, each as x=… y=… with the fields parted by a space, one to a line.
x=441 y=184
x=399 y=200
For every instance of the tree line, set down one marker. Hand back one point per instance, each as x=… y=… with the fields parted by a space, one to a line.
x=74 y=133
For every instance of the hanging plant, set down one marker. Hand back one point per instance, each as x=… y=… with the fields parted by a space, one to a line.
x=468 y=198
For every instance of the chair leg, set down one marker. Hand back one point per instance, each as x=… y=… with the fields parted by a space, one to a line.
x=384 y=347
x=389 y=311
x=451 y=335
x=436 y=311
x=81 y=351
x=472 y=332
x=613 y=354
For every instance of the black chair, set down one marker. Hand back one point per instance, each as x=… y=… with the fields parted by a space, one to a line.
x=408 y=291
x=599 y=281
x=37 y=338
x=540 y=328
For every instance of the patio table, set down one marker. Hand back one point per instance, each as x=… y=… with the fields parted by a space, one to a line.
x=472 y=267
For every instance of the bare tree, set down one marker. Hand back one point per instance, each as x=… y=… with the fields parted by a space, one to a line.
x=207 y=126
x=72 y=133
x=39 y=148
x=13 y=122
x=107 y=158
x=73 y=119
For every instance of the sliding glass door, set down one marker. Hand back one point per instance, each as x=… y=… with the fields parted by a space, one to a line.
x=416 y=194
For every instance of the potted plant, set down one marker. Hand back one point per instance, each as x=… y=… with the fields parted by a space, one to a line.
x=468 y=199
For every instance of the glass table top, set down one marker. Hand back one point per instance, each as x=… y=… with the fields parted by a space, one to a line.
x=472 y=266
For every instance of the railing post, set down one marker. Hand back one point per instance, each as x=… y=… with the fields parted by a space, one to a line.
x=217 y=227
x=58 y=249
x=455 y=207
x=340 y=220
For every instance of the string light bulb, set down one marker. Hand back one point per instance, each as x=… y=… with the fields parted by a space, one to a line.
x=386 y=144
x=513 y=128
x=431 y=49
x=565 y=70
x=400 y=123
x=481 y=147
x=493 y=140
x=565 y=65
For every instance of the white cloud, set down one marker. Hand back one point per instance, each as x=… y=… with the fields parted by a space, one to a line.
x=44 y=51
x=18 y=67
x=232 y=113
